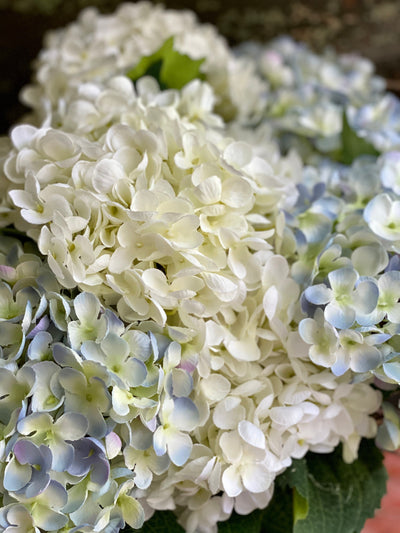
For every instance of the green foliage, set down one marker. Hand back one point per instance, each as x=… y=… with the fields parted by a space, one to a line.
x=352 y=145
x=278 y=516
x=250 y=523
x=161 y=522
x=317 y=493
x=340 y=496
x=171 y=69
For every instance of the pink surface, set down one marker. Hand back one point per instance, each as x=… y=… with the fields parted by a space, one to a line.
x=387 y=518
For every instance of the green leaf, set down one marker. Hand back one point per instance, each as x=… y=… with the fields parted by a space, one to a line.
x=340 y=496
x=278 y=516
x=300 y=506
x=160 y=522
x=352 y=145
x=320 y=493
x=171 y=69
x=238 y=523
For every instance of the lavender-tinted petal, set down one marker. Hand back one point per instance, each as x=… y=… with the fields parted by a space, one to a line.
x=27 y=453
x=100 y=471
x=63 y=455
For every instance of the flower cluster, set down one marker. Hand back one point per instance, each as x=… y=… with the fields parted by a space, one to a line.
x=200 y=309
x=158 y=215
x=95 y=48
x=312 y=95
x=347 y=264
x=79 y=395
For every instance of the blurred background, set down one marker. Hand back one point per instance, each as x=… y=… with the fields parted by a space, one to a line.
x=367 y=27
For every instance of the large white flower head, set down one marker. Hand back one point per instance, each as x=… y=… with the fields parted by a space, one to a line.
x=97 y=47
x=158 y=213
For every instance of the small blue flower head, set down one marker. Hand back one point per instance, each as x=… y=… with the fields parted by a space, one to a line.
x=90 y=458
x=28 y=472
x=347 y=297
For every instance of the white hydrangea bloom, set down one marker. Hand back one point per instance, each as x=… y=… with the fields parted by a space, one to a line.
x=157 y=213
x=97 y=47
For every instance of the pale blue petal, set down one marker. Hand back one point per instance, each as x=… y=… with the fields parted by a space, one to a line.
x=179 y=447
x=339 y=316
x=378 y=208
x=179 y=383
x=16 y=476
x=97 y=425
x=342 y=363
x=185 y=415
x=39 y=347
x=392 y=370
x=136 y=371
x=370 y=319
x=140 y=344
x=365 y=297
x=365 y=358
x=39 y=482
x=63 y=454
x=160 y=441
x=318 y=294
x=114 y=324
x=65 y=356
x=100 y=471
x=27 y=453
x=91 y=351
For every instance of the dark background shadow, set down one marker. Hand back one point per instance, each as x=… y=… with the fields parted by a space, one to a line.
x=367 y=27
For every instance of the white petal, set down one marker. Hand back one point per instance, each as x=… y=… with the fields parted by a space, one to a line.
x=270 y=302
x=256 y=477
x=215 y=387
x=232 y=482
x=251 y=434
x=236 y=192
x=106 y=173
x=22 y=136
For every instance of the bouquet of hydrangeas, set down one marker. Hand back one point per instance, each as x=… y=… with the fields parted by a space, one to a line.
x=200 y=284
